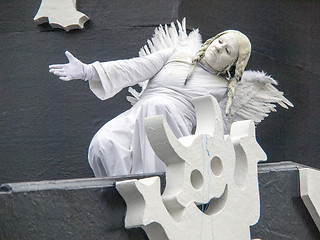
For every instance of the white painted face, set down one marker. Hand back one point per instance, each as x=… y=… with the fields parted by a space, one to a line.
x=222 y=52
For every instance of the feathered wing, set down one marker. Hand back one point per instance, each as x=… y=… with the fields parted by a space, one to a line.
x=167 y=36
x=256 y=96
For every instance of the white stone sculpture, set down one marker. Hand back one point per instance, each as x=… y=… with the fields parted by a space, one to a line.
x=60 y=14
x=211 y=181
x=310 y=192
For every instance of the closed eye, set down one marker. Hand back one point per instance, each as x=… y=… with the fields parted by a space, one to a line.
x=228 y=50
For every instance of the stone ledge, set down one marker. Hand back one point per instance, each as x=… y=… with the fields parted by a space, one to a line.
x=93 y=209
x=70 y=184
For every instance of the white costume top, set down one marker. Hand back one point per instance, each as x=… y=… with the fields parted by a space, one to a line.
x=165 y=94
x=121 y=146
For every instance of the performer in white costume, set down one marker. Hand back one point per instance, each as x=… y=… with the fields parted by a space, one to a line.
x=173 y=69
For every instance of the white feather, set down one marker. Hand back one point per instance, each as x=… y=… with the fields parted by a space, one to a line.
x=167 y=36
x=255 y=97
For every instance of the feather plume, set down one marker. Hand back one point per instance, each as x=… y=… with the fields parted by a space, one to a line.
x=167 y=36
x=255 y=97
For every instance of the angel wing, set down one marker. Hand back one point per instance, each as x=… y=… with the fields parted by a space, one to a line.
x=255 y=97
x=167 y=36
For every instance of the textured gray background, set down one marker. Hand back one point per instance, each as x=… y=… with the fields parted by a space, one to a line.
x=46 y=125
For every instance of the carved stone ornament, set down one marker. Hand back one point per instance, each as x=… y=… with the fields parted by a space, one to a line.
x=211 y=181
x=60 y=14
x=310 y=192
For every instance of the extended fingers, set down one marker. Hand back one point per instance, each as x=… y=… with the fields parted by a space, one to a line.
x=56 y=66
x=65 y=78
x=59 y=73
x=70 y=57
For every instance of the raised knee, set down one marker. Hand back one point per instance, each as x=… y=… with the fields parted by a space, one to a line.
x=98 y=145
x=157 y=105
x=96 y=156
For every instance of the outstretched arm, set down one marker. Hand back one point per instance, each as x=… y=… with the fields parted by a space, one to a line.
x=116 y=75
x=108 y=78
x=75 y=69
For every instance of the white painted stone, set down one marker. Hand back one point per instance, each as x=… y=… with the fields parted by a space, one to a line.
x=205 y=167
x=310 y=192
x=60 y=14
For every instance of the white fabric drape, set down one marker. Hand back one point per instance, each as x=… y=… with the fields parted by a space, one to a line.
x=121 y=146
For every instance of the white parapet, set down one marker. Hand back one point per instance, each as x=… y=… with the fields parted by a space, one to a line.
x=211 y=181
x=310 y=192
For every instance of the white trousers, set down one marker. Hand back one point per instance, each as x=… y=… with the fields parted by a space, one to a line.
x=121 y=146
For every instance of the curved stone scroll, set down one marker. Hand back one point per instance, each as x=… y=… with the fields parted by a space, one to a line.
x=60 y=14
x=211 y=181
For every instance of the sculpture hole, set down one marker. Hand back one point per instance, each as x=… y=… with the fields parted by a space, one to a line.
x=216 y=166
x=196 y=179
x=215 y=205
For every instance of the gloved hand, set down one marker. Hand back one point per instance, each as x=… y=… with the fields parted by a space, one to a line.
x=75 y=69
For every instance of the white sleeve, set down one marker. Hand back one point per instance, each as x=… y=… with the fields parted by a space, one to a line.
x=116 y=75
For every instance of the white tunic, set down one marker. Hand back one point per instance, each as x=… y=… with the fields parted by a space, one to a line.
x=121 y=146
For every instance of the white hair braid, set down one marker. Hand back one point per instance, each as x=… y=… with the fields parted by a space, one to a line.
x=240 y=63
x=197 y=58
x=244 y=47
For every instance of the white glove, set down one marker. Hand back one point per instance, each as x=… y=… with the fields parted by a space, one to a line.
x=75 y=69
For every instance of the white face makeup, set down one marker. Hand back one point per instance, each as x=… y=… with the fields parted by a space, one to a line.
x=222 y=52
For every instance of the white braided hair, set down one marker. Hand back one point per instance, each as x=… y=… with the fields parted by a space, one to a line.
x=240 y=63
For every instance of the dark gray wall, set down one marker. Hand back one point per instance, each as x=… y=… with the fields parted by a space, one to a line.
x=46 y=125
